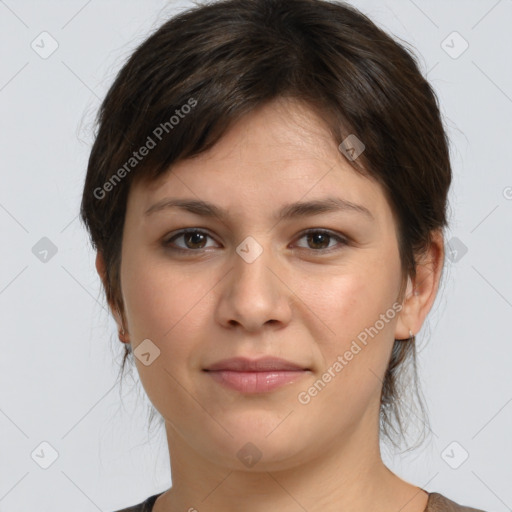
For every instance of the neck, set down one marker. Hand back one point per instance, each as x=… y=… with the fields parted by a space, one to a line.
x=348 y=476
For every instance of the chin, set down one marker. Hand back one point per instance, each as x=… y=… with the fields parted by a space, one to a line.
x=258 y=444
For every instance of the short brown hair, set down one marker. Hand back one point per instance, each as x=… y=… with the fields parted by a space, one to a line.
x=225 y=59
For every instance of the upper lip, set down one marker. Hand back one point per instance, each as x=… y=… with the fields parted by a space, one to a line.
x=242 y=364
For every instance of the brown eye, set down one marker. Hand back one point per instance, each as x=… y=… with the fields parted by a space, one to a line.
x=319 y=240
x=193 y=239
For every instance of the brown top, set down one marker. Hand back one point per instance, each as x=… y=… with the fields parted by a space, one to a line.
x=436 y=503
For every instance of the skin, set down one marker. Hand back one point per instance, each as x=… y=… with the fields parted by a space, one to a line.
x=301 y=300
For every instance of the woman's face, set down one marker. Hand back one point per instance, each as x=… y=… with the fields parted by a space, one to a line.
x=254 y=284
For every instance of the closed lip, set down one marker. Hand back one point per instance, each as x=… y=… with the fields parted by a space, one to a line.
x=264 y=364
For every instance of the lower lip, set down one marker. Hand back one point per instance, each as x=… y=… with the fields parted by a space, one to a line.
x=255 y=382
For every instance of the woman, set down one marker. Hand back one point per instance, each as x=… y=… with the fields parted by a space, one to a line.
x=267 y=195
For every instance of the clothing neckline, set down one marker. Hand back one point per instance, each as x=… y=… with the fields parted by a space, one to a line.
x=149 y=503
x=429 y=501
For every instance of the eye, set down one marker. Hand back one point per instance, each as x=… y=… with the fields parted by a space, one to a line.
x=318 y=239
x=194 y=239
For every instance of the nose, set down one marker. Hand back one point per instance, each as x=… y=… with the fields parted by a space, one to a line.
x=254 y=294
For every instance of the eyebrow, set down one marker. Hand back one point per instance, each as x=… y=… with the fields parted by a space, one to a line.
x=287 y=212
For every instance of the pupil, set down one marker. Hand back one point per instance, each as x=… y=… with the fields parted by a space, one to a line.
x=192 y=235
x=317 y=238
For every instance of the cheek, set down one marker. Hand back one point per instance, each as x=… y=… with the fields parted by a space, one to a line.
x=358 y=308
x=354 y=358
x=344 y=300
x=164 y=304
x=169 y=308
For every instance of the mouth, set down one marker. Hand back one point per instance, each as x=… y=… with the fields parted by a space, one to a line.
x=255 y=375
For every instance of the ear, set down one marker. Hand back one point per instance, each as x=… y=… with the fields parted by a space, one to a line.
x=421 y=293
x=102 y=272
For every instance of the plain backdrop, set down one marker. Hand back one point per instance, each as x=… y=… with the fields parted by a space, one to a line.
x=69 y=438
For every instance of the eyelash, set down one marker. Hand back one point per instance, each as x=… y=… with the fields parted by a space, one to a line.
x=341 y=240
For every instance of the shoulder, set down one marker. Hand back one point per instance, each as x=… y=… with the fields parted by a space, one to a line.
x=439 y=503
x=144 y=506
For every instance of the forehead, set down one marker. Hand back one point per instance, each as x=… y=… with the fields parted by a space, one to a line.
x=280 y=153
x=284 y=129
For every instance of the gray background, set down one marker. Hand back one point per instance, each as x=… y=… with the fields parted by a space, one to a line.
x=59 y=352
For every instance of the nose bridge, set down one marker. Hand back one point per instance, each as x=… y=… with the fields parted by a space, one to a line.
x=254 y=294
